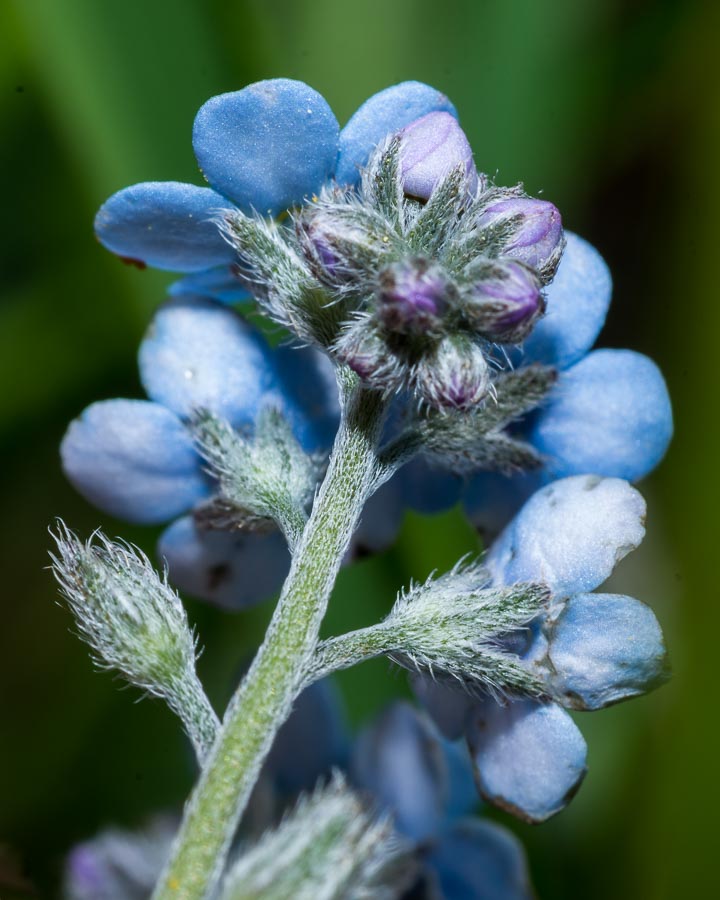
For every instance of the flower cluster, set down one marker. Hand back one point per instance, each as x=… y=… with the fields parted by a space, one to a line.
x=440 y=331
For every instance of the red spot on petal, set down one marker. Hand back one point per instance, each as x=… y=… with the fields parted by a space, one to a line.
x=131 y=261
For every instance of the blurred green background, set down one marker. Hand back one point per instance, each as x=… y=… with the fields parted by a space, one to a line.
x=612 y=110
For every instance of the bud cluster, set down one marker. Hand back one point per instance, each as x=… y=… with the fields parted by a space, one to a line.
x=424 y=267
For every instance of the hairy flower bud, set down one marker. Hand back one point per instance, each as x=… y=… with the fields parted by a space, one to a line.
x=505 y=301
x=430 y=148
x=411 y=298
x=534 y=231
x=454 y=376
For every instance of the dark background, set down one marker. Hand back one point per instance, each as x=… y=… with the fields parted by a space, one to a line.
x=612 y=110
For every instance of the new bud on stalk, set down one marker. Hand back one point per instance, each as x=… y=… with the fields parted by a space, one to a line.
x=430 y=148
x=505 y=301
x=534 y=231
x=454 y=376
x=412 y=297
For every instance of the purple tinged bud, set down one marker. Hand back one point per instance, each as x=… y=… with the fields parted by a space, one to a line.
x=455 y=376
x=431 y=147
x=411 y=298
x=505 y=302
x=534 y=231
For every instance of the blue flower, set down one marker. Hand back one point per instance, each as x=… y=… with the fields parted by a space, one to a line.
x=609 y=413
x=265 y=148
x=589 y=650
x=136 y=459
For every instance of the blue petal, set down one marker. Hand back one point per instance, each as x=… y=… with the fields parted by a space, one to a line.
x=490 y=499
x=399 y=761
x=448 y=708
x=529 y=757
x=267 y=146
x=165 y=224
x=312 y=742
x=133 y=459
x=570 y=535
x=609 y=414
x=380 y=521
x=577 y=303
x=233 y=570
x=219 y=283
x=427 y=488
x=198 y=353
x=309 y=395
x=479 y=860
x=605 y=648
x=384 y=113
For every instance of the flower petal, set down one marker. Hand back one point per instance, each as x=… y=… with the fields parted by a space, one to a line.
x=399 y=760
x=165 y=224
x=427 y=488
x=384 y=113
x=605 y=648
x=198 y=353
x=480 y=860
x=380 y=522
x=529 y=757
x=491 y=499
x=609 y=414
x=309 y=395
x=232 y=570
x=312 y=742
x=219 y=283
x=267 y=146
x=577 y=303
x=570 y=535
x=133 y=459
x=449 y=709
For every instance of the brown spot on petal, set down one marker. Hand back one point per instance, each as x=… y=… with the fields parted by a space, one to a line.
x=131 y=261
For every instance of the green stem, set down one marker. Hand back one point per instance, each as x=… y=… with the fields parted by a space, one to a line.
x=264 y=699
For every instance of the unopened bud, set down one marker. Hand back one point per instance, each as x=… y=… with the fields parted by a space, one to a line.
x=505 y=302
x=364 y=351
x=534 y=231
x=411 y=297
x=454 y=376
x=431 y=147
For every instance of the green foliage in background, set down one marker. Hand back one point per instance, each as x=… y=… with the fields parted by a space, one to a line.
x=612 y=110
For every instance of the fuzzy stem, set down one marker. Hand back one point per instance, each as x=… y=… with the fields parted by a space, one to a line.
x=264 y=699
x=347 y=650
x=189 y=701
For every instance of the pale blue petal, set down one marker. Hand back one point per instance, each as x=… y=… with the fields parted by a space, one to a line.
x=165 y=224
x=234 y=570
x=570 y=535
x=380 y=521
x=384 y=113
x=605 y=648
x=133 y=459
x=267 y=146
x=219 y=283
x=529 y=757
x=399 y=761
x=199 y=353
x=577 y=303
x=479 y=860
x=312 y=742
x=609 y=414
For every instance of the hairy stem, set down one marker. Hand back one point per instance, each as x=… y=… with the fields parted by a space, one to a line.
x=264 y=699
x=347 y=650
x=189 y=701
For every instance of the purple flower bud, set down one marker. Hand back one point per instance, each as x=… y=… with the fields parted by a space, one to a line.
x=411 y=298
x=364 y=351
x=431 y=147
x=534 y=231
x=455 y=376
x=505 y=302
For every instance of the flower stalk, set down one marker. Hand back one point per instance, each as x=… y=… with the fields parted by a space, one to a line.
x=265 y=697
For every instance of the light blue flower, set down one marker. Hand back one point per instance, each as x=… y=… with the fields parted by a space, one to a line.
x=136 y=459
x=609 y=413
x=589 y=650
x=265 y=148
